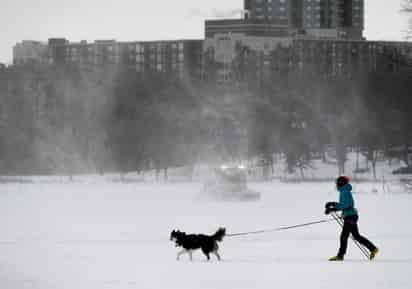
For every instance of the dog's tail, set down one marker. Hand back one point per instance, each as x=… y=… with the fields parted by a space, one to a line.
x=220 y=233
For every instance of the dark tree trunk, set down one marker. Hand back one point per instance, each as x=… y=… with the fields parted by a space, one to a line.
x=165 y=174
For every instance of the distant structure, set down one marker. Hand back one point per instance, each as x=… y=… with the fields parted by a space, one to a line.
x=342 y=17
x=180 y=58
x=277 y=36
x=267 y=10
x=321 y=18
x=270 y=39
x=29 y=51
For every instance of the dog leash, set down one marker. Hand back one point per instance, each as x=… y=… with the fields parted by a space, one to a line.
x=280 y=228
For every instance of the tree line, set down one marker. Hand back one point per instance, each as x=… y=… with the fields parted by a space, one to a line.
x=67 y=120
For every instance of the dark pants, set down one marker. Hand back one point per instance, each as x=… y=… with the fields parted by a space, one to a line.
x=350 y=226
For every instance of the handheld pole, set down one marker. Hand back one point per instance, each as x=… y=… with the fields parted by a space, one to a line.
x=363 y=250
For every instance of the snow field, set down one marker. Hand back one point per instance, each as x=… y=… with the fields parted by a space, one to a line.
x=116 y=236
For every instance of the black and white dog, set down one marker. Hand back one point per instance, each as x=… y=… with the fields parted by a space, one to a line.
x=189 y=243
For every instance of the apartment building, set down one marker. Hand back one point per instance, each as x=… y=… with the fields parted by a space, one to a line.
x=312 y=17
x=348 y=58
x=29 y=51
x=182 y=58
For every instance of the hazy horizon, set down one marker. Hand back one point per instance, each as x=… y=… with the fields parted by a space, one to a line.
x=125 y=20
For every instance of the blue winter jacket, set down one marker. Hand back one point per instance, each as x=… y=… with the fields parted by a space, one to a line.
x=346 y=203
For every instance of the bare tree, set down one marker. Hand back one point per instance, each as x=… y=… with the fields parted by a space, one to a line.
x=406 y=8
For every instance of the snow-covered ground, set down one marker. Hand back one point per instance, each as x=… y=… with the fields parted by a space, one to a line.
x=100 y=234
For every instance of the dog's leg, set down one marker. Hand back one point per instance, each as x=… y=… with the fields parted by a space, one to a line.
x=191 y=255
x=216 y=254
x=206 y=252
x=180 y=253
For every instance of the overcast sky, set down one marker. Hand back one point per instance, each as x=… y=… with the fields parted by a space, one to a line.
x=130 y=20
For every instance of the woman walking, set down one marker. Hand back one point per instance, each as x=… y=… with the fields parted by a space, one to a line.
x=350 y=216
